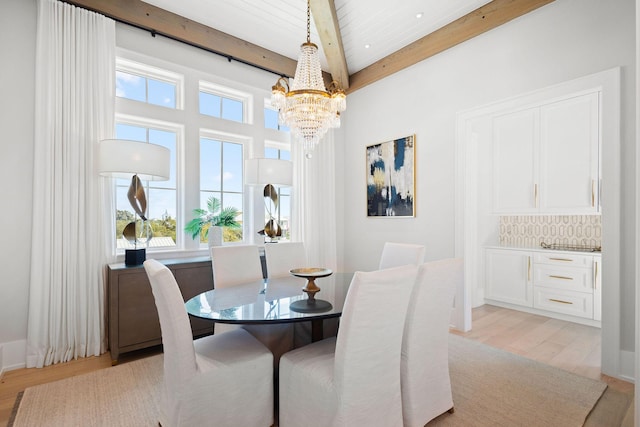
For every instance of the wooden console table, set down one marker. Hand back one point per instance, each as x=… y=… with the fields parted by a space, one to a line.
x=132 y=316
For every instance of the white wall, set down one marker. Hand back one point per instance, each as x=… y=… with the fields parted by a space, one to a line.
x=17 y=74
x=561 y=41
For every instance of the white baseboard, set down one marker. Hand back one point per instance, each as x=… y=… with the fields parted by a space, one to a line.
x=13 y=355
x=627 y=365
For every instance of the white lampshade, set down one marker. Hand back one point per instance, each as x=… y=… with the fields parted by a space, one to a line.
x=268 y=171
x=121 y=158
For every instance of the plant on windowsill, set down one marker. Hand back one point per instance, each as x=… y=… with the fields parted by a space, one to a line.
x=208 y=222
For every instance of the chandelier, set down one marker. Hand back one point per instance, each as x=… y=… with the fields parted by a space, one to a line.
x=307 y=108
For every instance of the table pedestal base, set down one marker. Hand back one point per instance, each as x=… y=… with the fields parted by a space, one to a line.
x=310 y=305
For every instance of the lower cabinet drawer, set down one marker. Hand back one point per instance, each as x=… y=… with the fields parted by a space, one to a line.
x=564 y=278
x=566 y=302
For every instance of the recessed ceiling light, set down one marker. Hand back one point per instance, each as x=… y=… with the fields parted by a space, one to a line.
x=419 y=15
x=367 y=46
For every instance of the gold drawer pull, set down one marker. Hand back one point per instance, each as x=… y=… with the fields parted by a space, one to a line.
x=561 y=259
x=560 y=301
x=561 y=277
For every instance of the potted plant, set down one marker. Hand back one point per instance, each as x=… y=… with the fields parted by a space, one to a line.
x=208 y=222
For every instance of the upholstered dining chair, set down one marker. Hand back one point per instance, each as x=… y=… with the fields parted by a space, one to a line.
x=352 y=379
x=426 y=385
x=283 y=256
x=396 y=254
x=223 y=379
x=234 y=265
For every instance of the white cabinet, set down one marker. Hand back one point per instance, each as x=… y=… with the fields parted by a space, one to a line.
x=563 y=283
x=509 y=276
x=546 y=158
x=515 y=162
x=545 y=281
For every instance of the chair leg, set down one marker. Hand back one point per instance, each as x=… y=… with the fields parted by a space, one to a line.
x=452 y=410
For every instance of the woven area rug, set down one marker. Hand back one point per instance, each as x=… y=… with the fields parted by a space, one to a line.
x=490 y=388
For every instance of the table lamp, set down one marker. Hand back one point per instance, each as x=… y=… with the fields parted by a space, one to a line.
x=270 y=173
x=138 y=161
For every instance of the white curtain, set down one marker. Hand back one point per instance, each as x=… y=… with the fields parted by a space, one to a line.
x=314 y=201
x=75 y=72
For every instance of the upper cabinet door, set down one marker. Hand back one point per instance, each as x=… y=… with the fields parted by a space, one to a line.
x=569 y=155
x=515 y=158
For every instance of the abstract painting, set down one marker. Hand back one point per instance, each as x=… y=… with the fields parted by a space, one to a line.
x=391 y=178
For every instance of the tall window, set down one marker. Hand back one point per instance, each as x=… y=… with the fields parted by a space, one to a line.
x=284 y=194
x=161 y=195
x=221 y=177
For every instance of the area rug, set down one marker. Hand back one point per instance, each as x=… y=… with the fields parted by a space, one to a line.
x=491 y=387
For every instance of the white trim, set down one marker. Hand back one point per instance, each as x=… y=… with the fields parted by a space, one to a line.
x=13 y=355
x=608 y=83
x=627 y=365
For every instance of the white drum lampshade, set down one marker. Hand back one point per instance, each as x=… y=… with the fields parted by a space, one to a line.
x=268 y=171
x=121 y=158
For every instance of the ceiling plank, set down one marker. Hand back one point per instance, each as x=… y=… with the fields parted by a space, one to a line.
x=326 y=20
x=165 y=23
x=483 y=19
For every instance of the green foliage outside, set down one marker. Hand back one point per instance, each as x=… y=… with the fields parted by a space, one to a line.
x=214 y=215
x=163 y=227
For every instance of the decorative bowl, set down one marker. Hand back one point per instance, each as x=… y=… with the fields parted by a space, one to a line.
x=311 y=272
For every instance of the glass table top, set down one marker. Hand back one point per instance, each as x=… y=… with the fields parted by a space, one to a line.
x=267 y=301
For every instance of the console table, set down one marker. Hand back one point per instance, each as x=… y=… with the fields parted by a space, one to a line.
x=132 y=316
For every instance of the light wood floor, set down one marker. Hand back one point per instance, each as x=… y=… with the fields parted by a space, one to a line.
x=566 y=345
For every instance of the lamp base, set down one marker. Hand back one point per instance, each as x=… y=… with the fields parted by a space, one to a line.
x=134 y=256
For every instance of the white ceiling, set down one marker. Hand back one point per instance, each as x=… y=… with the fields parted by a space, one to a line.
x=280 y=25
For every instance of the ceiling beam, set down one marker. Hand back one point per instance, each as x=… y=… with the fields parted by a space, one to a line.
x=483 y=19
x=326 y=20
x=165 y=23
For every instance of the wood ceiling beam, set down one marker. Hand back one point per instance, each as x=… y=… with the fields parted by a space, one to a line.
x=165 y=23
x=483 y=19
x=326 y=20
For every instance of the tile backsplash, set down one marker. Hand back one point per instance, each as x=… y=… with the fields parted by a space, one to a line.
x=530 y=230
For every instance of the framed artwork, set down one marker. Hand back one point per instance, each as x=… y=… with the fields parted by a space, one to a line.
x=391 y=178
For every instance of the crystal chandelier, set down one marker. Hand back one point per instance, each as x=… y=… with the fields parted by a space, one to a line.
x=307 y=107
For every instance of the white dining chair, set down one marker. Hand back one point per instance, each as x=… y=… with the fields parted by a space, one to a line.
x=234 y=265
x=352 y=379
x=426 y=385
x=396 y=254
x=223 y=379
x=284 y=256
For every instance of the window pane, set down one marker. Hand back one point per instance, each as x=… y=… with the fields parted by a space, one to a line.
x=270 y=153
x=130 y=86
x=209 y=104
x=134 y=133
x=233 y=200
x=232 y=110
x=166 y=139
x=285 y=155
x=162 y=93
x=270 y=118
x=162 y=217
x=210 y=165
x=232 y=167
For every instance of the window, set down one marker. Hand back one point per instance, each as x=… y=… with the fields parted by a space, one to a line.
x=223 y=103
x=284 y=194
x=221 y=177
x=142 y=83
x=161 y=195
x=207 y=123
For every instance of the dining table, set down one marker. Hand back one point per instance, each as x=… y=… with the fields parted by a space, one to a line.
x=269 y=301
